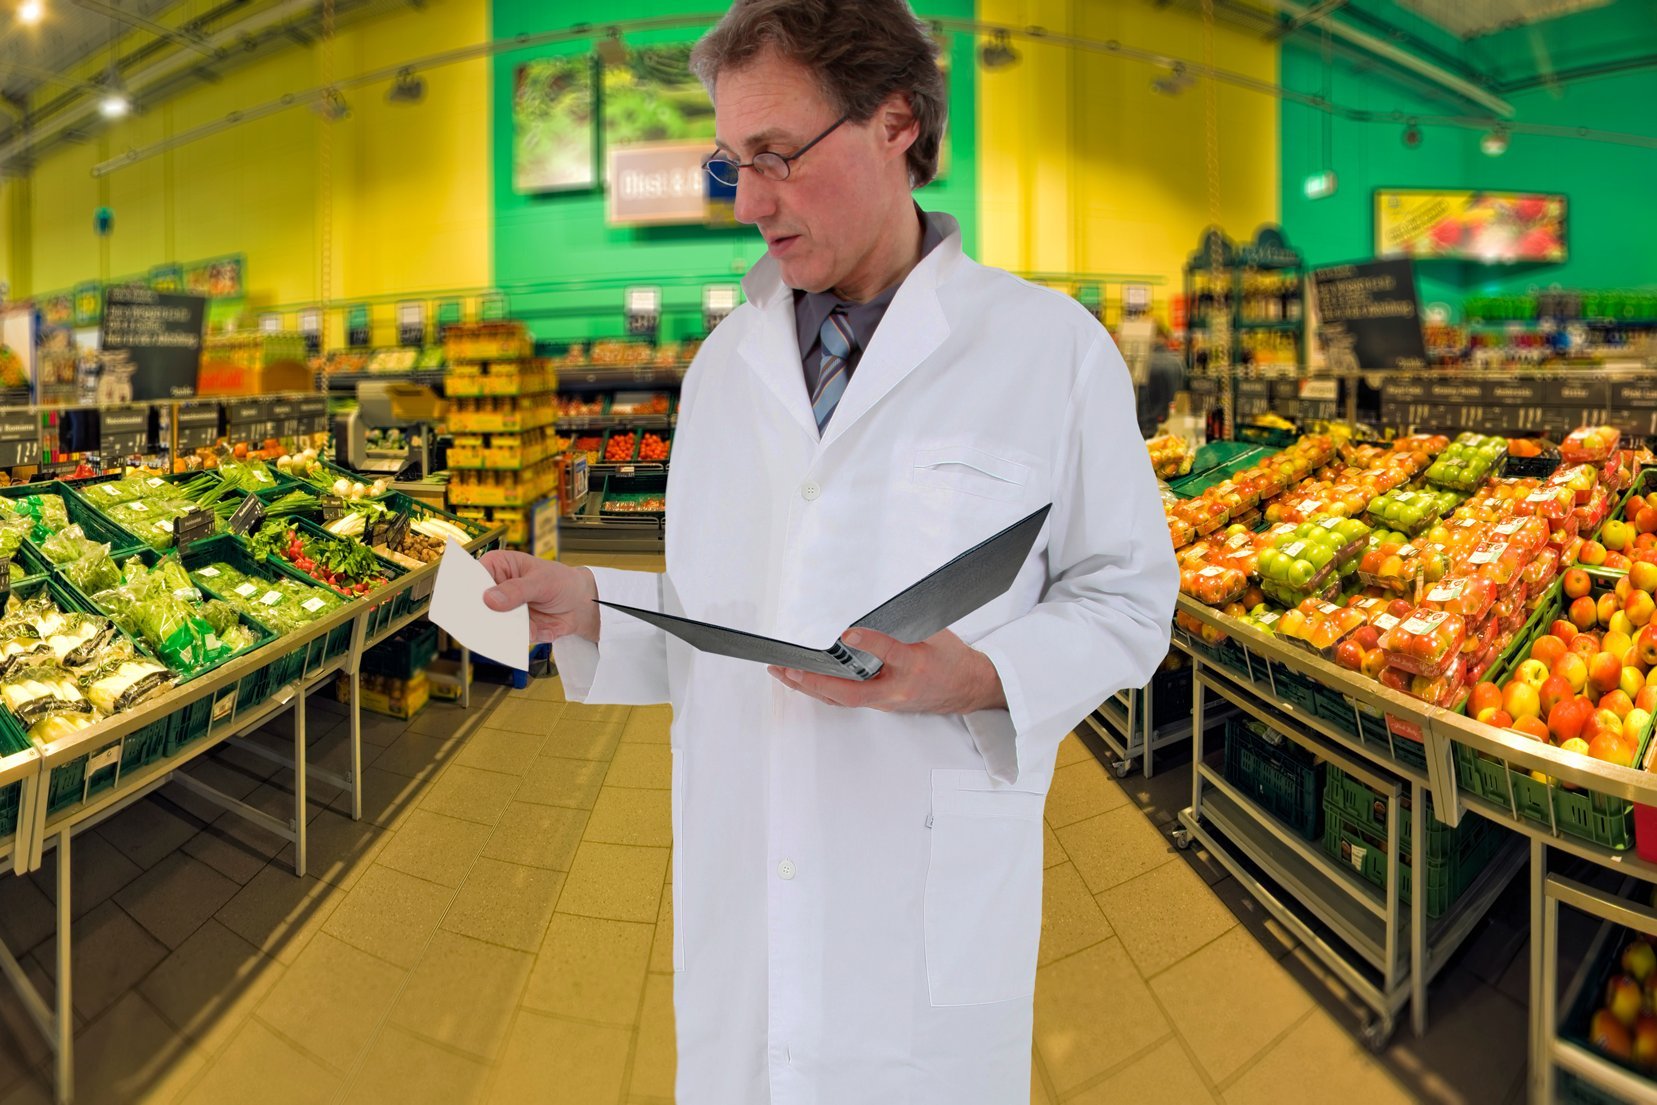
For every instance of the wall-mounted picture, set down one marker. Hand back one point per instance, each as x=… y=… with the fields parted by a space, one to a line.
x=652 y=97
x=217 y=277
x=553 y=127
x=1492 y=227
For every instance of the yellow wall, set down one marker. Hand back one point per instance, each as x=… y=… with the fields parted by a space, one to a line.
x=1083 y=168
x=409 y=194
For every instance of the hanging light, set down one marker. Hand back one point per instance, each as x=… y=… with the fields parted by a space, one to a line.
x=1494 y=143
x=407 y=88
x=612 y=51
x=998 y=53
x=115 y=103
x=331 y=106
x=1177 y=80
x=30 y=12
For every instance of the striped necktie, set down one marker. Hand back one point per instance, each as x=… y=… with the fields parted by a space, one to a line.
x=839 y=345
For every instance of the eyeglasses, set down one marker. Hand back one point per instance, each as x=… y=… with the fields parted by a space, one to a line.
x=771 y=166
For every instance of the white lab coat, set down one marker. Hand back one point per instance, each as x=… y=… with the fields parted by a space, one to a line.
x=857 y=895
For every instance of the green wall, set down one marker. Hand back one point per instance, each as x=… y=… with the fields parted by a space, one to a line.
x=564 y=239
x=1611 y=229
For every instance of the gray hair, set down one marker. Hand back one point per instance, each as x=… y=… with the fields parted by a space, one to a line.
x=859 y=52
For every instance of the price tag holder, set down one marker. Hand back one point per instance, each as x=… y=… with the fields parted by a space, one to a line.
x=643 y=310
x=396 y=533
x=332 y=508
x=310 y=325
x=247 y=517
x=411 y=323
x=5 y=579
x=190 y=527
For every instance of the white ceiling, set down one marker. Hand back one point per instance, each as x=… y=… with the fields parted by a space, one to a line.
x=34 y=57
x=1469 y=18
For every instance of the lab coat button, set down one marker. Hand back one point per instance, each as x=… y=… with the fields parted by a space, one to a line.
x=785 y=869
x=809 y=491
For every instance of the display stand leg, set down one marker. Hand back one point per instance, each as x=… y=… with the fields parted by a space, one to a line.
x=356 y=750
x=65 y=1035
x=1197 y=698
x=1541 y=1069
x=299 y=785
x=1147 y=710
x=465 y=679
x=1418 y=911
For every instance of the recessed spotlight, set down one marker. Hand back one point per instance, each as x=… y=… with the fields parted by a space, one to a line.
x=1494 y=143
x=30 y=12
x=114 y=105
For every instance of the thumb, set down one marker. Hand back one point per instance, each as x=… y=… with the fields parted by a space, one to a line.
x=877 y=645
x=509 y=594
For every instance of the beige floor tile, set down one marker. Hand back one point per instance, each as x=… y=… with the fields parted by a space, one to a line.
x=173 y=898
x=641 y=765
x=655 y=1059
x=443 y=719
x=463 y=994
x=532 y=716
x=1164 y=1075
x=332 y=752
x=416 y=755
x=580 y=711
x=402 y=1069
x=1476 y=1038
x=1316 y=1061
x=210 y=985
x=1051 y=850
x=434 y=846
x=109 y=951
x=1164 y=915
x=506 y=904
x=237 y=778
x=471 y=794
x=22 y=1046
x=648 y=725
x=501 y=750
x=623 y=815
x=578 y=739
x=1039 y=1094
x=381 y=731
x=390 y=914
x=234 y=847
x=1230 y=1000
x=548 y=1061
x=661 y=950
x=337 y=849
x=96 y=872
x=1082 y=790
x=615 y=881
x=1114 y=847
x=591 y=969
x=139 y=1056
x=1271 y=935
x=1072 y=751
x=26 y=914
x=1092 y=1012
x=537 y=836
x=146 y=831
x=1070 y=919
x=548 y=688
x=278 y=913
x=331 y=1001
x=258 y=1067
x=558 y=781
x=387 y=797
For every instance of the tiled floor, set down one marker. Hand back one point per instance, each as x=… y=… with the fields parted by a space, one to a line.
x=496 y=930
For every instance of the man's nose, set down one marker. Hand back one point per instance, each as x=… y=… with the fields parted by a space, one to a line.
x=756 y=197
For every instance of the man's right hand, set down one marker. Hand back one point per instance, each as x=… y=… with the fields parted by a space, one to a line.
x=562 y=600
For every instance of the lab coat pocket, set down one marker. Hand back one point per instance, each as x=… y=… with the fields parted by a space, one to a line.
x=983 y=890
x=678 y=906
x=962 y=467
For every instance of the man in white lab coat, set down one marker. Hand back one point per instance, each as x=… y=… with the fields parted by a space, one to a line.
x=857 y=866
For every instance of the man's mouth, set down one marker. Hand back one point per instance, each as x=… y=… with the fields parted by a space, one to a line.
x=782 y=242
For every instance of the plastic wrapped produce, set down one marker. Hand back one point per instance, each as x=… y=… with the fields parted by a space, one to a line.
x=31 y=692
x=1426 y=643
x=1212 y=584
x=1591 y=444
x=1319 y=625
x=1470 y=596
x=54 y=727
x=123 y=683
x=79 y=639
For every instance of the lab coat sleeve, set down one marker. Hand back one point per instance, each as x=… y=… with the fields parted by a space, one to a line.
x=628 y=665
x=1103 y=621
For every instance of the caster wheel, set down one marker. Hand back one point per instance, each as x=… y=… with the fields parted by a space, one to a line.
x=1121 y=768
x=1182 y=839
x=1376 y=1033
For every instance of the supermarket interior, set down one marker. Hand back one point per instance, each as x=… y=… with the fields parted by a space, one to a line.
x=296 y=295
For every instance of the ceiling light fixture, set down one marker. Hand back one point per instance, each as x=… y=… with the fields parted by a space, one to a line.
x=115 y=103
x=998 y=53
x=407 y=88
x=331 y=106
x=1177 y=80
x=1494 y=143
x=612 y=50
x=1412 y=135
x=30 y=12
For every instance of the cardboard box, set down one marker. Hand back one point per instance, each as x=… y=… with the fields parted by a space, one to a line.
x=443 y=677
x=398 y=698
x=226 y=379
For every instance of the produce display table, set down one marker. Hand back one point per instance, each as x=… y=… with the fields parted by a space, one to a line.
x=1363 y=935
x=199 y=715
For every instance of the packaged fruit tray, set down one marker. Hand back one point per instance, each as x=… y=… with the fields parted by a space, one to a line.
x=1590 y=444
x=1523 y=461
x=1411 y=512
x=1467 y=461
x=1571 y=720
x=1610 y=1014
x=1280 y=776
x=634 y=497
x=1214 y=463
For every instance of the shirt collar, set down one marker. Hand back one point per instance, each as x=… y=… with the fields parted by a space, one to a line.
x=764 y=282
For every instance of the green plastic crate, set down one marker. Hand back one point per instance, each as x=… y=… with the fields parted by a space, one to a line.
x=1573 y=1025
x=11 y=796
x=383 y=612
x=80 y=512
x=1284 y=779
x=1215 y=463
x=412 y=649
x=1351 y=845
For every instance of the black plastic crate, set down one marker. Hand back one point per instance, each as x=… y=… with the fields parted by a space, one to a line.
x=1279 y=776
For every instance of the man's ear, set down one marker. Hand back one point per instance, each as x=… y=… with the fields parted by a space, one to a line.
x=899 y=129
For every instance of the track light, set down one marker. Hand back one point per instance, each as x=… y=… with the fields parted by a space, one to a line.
x=407 y=88
x=612 y=51
x=30 y=12
x=331 y=106
x=1412 y=136
x=115 y=103
x=998 y=53
x=1177 y=81
x=1494 y=143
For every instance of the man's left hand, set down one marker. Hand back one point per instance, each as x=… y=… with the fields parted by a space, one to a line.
x=940 y=675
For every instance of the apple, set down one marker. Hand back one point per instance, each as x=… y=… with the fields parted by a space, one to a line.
x=1585 y=645
x=1639 y=606
x=1635 y=725
x=1646 y=699
x=1609 y=747
x=1520 y=699
x=1604 y=673
x=1619 y=704
x=1622 y=588
x=1616 y=535
x=1574 y=670
x=1645 y=1042
x=1548 y=649
x=1501 y=719
x=1349 y=654
x=1624 y=1000
x=1617 y=644
x=1488 y=696
x=1632 y=682
x=1616 y=562
x=1374 y=660
x=1575 y=744
x=1583 y=613
x=1564 y=629
x=1532 y=727
x=1642 y=574
x=1646 y=520
x=1554 y=690
x=1396 y=679
x=1577 y=583
x=1610 y=1036
x=1592 y=554
x=1621 y=624
x=1566 y=720
x=1639 y=960
x=1608 y=605
x=1533 y=672
x=1602 y=721
x=1645 y=646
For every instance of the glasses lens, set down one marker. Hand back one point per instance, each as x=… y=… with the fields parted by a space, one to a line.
x=723 y=171
x=771 y=166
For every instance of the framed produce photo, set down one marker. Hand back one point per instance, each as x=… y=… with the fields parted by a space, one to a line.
x=554 y=132
x=651 y=97
x=1489 y=227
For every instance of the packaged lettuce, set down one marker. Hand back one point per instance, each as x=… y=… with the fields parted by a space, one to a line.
x=56 y=726
x=220 y=615
x=31 y=692
x=94 y=572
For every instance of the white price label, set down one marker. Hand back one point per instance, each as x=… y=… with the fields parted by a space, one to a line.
x=271 y=598
x=210 y=573
x=247 y=590
x=312 y=605
x=138 y=508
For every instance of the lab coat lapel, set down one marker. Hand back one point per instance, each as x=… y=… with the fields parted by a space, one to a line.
x=913 y=328
x=772 y=345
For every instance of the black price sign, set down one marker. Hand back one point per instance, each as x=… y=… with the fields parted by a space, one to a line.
x=332 y=507
x=151 y=342
x=192 y=526
x=247 y=517
x=397 y=531
x=1370 y=316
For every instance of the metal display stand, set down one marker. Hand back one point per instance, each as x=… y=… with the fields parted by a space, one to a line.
x=1125 y=720
x=1303 y=893
x=39 y=830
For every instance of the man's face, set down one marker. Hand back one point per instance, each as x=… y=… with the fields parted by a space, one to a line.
x=822 y=221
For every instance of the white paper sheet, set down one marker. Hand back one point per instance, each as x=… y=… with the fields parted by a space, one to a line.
x=458 y=609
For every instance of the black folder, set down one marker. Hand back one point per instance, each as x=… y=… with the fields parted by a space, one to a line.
x=982 y=573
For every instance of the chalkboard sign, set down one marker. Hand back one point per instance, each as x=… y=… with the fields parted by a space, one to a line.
x=194 y=525
x=247 y=517
x=151 y=344
x=1370 y=316
x=332 y=508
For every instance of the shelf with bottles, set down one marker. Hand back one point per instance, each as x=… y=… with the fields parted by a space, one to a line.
x=1626 y=307
x=1258 y=288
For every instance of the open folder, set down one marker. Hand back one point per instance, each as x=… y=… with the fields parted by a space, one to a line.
x=949 y=594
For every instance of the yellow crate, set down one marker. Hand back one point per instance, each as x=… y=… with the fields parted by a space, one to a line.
x=529 y=417
x=401 y=698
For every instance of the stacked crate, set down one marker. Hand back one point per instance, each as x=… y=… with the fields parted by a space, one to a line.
x=502 y=465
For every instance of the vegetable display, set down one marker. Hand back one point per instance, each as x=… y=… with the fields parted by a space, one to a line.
x=282 y=605
x=162 y=607
x=32 y=517
x=346 y=566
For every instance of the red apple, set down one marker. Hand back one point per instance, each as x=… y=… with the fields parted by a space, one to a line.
x=1610 y=747
x=1374 y=660
x=1349 y=654
x=1489 y=696
x=1632 y=682
x=1642 y=574
x=1533 y=727
x=1565 y=630
x=1584 y=614
x=1592 y=554
x=1567 y=719
x=1548 y=649
x=1534 y=672
x=1645 y=646
x=1646 y=699
x=1618 y=703
x=1367 y=636
x=1585 y=645
x=1556 y=689
x=1607 y=606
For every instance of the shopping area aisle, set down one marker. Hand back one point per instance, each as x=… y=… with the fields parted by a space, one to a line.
x=497 y=929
